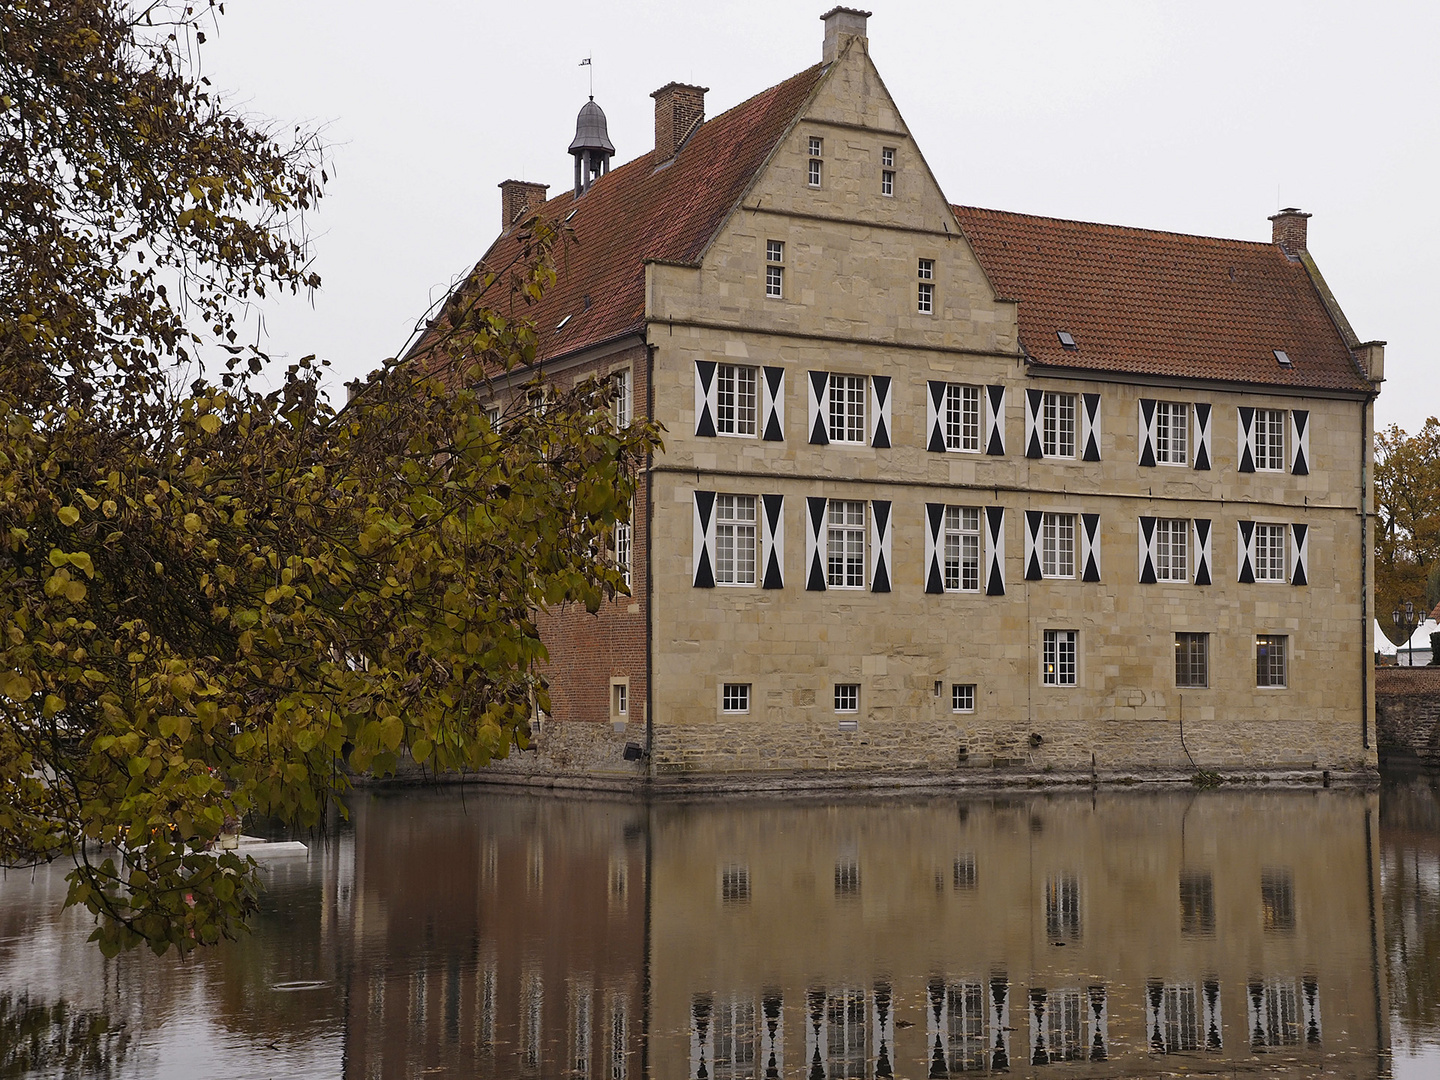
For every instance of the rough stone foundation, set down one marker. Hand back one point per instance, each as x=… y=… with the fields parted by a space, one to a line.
x=1407 y=712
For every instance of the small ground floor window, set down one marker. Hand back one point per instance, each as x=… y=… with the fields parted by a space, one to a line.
x=1060 y=658
x=962 y=697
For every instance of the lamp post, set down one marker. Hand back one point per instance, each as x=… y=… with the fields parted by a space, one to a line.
x=1405 y=620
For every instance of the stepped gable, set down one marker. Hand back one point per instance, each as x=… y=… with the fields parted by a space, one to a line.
x=638 y=213
x=1143 y=302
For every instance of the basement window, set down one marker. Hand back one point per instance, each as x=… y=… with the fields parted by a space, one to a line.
x=1067 y=339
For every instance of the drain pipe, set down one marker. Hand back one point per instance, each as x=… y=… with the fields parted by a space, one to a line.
x=649 y=580
x=1366 y=657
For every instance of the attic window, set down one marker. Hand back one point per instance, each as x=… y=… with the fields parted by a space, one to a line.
x=561 y=324
x=1281 y=356
x=1067 y=339
x=571 y=215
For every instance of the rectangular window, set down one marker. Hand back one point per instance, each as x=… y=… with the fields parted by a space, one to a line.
x=1060 y=667
x=492 y=417
x=814 y=172
x=965 y=878
x=623 y=549
x=735 y=697
x=845 y=545
x=847 y=409
x=1057 y=433
x=735 y=399
x=1057 y=545
x=962 y=417
x=817 y=150
x=847 y=877
x=1270 y=660
x=962 y=697
x=735 y=885
x=817 y=146
x=887 y=157
x=927 y=269
x=621 y=694
x=847 y=697
x=1172 y=429
x=1172 y=544
x=1269 y=552
x=537 y=400
x=887 y=171
x=962 y=549
x=774 y=268
x=1270 y=440
x=1192 y=660
x=735 y=539
x=1062 y=907
x=621 y=407
x=927 y=286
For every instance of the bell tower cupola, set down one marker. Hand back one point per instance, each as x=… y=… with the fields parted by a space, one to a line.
x=591 y=146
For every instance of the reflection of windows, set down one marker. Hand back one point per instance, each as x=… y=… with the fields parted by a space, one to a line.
x=1062 y=907
x=1182 y=1018
x=1274 y=1008
x=845 y=1048
x=734 y=1041
x=964 y=876
x=1197 y=902
x=619 y=881
x=485 y=1034
x=1057 y=1026
x=619 y=1038
x=735 y=885
x=532 y=1002
x=847 y=877
x=965 y=1042
x=580 y=1021
x=418 y=998
x=1277 y=899
x=535 y=866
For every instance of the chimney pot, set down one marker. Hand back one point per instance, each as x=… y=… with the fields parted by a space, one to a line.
x=841 y=25
x=1287 y=231
x=518 y=198
x=678 y=110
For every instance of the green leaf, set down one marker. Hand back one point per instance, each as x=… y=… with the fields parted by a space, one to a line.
x=421 y=751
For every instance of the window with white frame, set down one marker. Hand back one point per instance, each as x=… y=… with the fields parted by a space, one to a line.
x=775 y=268
x=962 y=549
x=1059 y=665
x=621 y=409
x=926 y=303
x=847 y=697
x=1057 y=425
x=1172 y=546
x=620 y=698
x=1270 y=652
x=962 y=697
x=1270 y=440
x=847 y=409
x=962 y=417
x=1192 y=660
x=735 y=539
x=1269 y=561
x=1172 y=431
x=736 y=399
x=624 y=549
x=817 y=151
x=492 y=417
x=1057 y=545
x=735 y=697
x=887 y=171
x=845 y=545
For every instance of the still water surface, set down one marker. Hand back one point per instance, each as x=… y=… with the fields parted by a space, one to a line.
x=451 y=933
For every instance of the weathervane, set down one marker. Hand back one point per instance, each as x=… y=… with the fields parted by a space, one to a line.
x=586 y=63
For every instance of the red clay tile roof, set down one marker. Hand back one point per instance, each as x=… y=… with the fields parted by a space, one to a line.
x=1157 y=303
x=637 y=213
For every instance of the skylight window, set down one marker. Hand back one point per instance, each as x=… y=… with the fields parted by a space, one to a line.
x=561 y=324
x=1067 y=339
x=1281 y=356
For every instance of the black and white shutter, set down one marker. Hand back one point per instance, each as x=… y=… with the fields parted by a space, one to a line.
x=935 y=416
x=1246 y=550
x=1147 y=431
x=1098 y=1026
x=705 y=397
x=1246 y=438
x=1210 y=1015
x=880 y=411
x=880 y=545
x=820 y=408
x=934 y=547
x=1090 y=547
x=817 y=1029
x=1090 y=426
x=882 y=1027
x=1147 y=551
x=814 y=544
x=1033 y=426
x=772 y=541
x=994 y=551
x=1310 y=1010
x=1200 y=535
x=772 y=404
x=999 y=1024
x=937 y=1024
x=995 y=421
x=1299 y=554
x=1300 y=442
x=703 y=540
x=1202 y=435
x=1032 y=545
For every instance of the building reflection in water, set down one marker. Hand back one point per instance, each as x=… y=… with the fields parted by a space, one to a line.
x=1410 y=860
x=518 y=935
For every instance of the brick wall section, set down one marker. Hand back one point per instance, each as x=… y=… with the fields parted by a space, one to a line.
x=677 y=108
x=587 y=651
x=1407 y=711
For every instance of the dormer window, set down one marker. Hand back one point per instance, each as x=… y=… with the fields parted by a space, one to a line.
x=817 y=151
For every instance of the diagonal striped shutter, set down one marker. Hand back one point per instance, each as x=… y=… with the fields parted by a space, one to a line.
x=1246 y=570
x=1032 y=545
x=1090 y=547
x=1033 y=402
x=772 y=541
x=772 y=404
x=1147 y=551
x=1202 y=435
x=1090 y=426
x=994 y=551
x=820 y=408
x=814 y=545
x=995 y=421
x=1299 y=554
x=705 y=398
x=880 y=545
x=1246 y=438
x=1147 y=432
x=703 y=540
x=1200 y=534
x=1300 y=442
x=934 y=525
x=880 y=411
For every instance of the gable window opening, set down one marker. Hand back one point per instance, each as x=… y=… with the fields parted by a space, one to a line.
x=845 y=548
x=1059 y=658
x=1057 y=432
x=817 y=151
x=926 y=301
x=1270 y=440
x=1057 y=545
x=735 y=539
x=887 y=171
x=847 y=409
x=962 y=417
x=1172 y=542
x=1269 y=561
x=775 y=268
x=622 y=407
x=962 y=697
x=1172 y=428
x=1270 y=660
x=736 y=398
x=1192 y=661
x=962 y=549
x=735 y=698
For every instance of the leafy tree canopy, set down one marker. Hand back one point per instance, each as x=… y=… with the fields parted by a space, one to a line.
x=1407 y=505
x=218 y=596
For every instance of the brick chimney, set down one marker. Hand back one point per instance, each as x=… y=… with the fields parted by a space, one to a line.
x=518 y=198
x=1288 y=231
x=678 y=109
x=842 y=24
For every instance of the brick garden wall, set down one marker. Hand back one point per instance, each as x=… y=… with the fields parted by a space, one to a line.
x=1407 y=712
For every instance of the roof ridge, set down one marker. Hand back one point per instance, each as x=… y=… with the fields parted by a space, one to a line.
x=959 y=209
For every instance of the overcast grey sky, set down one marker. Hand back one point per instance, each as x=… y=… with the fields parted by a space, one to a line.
x=1194 y=117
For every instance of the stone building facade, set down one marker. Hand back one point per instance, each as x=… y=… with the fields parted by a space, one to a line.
x=945 y=488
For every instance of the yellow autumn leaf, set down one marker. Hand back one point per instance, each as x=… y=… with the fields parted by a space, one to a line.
x=68 y=515
x=192 y=523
